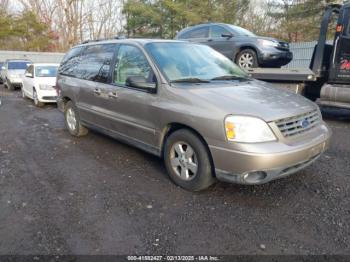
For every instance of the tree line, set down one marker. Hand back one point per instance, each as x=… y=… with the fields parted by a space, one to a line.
x=56 y=25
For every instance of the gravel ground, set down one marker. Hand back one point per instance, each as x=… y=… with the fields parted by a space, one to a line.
x=94 y=195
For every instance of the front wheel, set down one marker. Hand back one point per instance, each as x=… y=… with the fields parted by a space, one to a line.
x=36 y=99
x=9 y=86
x=187 y=161
x=73 y=123
x=247 y=59
x=23 y=93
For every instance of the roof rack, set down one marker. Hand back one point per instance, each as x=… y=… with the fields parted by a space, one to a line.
x=103 y=39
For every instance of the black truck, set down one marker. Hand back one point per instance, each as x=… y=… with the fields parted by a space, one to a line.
x=327 y=80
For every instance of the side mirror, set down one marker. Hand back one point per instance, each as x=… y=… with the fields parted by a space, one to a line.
x=29 y=75
x=140 y=82
x=227 y=35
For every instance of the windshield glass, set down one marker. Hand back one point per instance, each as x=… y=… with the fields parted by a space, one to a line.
x=241 y=31
x=18 y=65
x=46 y=71
x=192 y=61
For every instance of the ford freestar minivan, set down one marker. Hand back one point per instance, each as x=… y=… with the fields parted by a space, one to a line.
x=192 y=106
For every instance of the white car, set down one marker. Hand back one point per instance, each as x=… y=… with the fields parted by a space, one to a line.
x=39 y=83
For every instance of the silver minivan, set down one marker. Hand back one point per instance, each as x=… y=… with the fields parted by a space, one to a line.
x=191 y=106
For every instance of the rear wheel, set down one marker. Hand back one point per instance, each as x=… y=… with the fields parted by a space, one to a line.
x=73 y=123
x=187 y=161
x=247 y=59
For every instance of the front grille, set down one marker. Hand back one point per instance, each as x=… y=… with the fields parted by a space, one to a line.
x=52 y=98
x=296 y=125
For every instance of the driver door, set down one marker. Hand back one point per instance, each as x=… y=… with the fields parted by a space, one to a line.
x=340 y=64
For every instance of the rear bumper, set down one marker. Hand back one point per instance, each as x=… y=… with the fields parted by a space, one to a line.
x=259 y=168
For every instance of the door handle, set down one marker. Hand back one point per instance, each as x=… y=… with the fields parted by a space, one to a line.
x=97 y=91
x=112 y=95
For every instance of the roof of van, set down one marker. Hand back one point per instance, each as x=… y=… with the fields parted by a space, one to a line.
x=140 y=41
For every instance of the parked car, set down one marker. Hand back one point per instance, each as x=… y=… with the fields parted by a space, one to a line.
x=193 y=107
x=240 y=45
x=12 y=72
x=1 y=65
x=39 y=83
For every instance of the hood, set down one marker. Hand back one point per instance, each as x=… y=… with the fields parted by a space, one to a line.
x=282 y=44
x=16 y=71
x=254 y=98
x=46 y=80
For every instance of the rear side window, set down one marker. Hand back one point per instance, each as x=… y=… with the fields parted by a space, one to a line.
x=70 y=62
x=202 y=32
x=95 y=62
x=218 y=31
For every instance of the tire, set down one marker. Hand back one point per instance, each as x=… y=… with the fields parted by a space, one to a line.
x=36 y=100
x=193 y=172
x=247 y=59
x=9 y=86
x=72 y=120
x=23 y=94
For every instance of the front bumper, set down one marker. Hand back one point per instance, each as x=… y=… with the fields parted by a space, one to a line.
x=275 y=58
x=47 y=96
x=16 y=82
x=270 y=162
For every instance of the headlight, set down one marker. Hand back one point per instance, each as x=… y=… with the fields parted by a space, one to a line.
x=246 y=129
x=265 y=42
x=45 y=87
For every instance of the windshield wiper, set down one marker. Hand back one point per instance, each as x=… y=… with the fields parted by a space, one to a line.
x=230 y=77
x=190 y=80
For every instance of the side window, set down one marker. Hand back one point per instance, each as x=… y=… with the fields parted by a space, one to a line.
x=30 y=70
x=132 y=62
x=70 y=62
x=202 y=32
x=218 y=31
x=95 y=62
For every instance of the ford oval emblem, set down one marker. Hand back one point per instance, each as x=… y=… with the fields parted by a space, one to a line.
x=305 y=123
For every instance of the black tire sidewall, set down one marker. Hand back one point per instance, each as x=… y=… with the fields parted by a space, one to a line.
x=250 y=51
x=204 y=177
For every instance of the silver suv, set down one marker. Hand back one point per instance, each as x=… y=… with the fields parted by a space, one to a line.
x=192 y=106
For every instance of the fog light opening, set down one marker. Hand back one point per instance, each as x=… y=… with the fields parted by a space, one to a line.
x=255 y=177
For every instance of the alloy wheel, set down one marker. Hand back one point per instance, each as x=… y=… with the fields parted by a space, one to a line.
x=183 y=160
x=246 y=60
x=71 y=119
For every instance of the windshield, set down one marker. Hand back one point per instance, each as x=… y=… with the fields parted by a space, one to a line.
x=192 y=61
x=18 y=65
x=241 y=31
x=46 y=71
